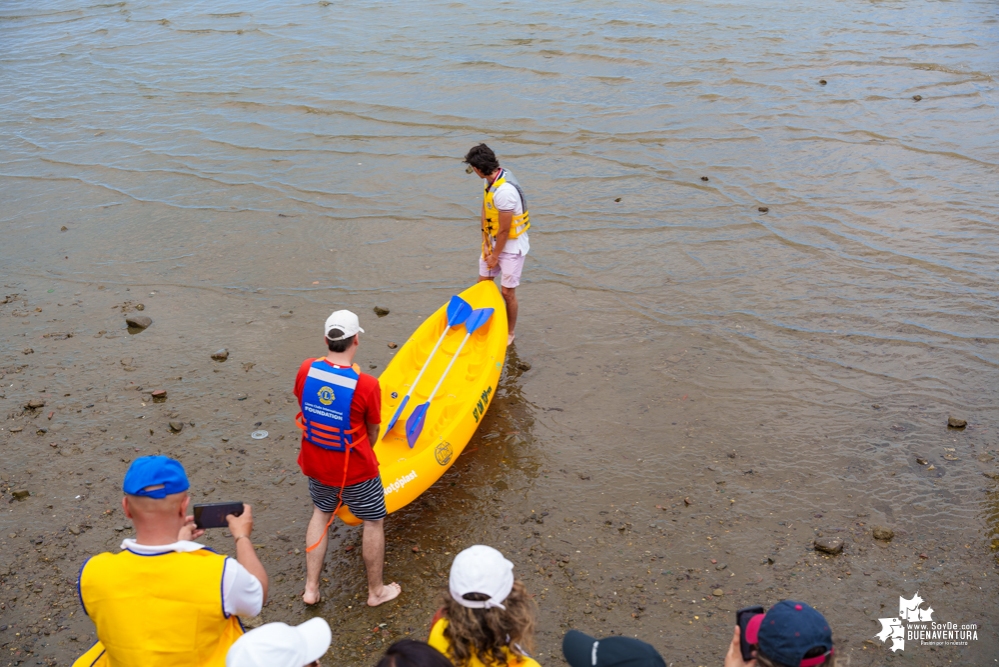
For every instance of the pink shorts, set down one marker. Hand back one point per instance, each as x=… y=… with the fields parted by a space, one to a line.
x=510 y=265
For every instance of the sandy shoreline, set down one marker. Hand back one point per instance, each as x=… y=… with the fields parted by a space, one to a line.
x=640 y=563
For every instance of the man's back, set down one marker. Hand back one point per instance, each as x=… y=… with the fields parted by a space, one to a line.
x=161 y=610
x=326 y=466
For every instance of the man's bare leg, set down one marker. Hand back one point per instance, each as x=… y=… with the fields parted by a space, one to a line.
x=314 y=559
x=373 y=550
x=510 y=296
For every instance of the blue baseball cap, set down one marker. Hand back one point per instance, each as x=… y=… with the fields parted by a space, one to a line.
x=790 y=630
x=155 y=477
x=582 y=650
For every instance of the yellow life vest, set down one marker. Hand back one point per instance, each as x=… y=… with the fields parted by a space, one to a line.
x=440 y=642
x=521 y=223
x=157 y=611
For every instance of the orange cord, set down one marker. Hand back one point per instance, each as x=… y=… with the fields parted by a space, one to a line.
x=339 y=495
x=339 y=504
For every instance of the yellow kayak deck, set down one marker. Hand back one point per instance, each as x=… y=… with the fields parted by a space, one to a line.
x=456 y=409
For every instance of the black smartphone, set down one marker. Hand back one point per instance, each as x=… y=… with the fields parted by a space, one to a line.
x=742 y=620
x=212 y=515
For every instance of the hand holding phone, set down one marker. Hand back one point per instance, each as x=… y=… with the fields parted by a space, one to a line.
x=213 y=515
x=742 y=618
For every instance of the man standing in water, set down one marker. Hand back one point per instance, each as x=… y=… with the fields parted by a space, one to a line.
x=341 y=411
x=505 y=222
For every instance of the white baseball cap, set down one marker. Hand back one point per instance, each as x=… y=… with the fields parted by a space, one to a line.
x=481 y=569
x=345 y=321
x=281 y=645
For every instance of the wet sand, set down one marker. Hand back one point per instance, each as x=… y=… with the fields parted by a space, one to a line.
x=593 y=512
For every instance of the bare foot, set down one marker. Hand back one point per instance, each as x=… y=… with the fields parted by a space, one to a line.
x=388 y=592
x=311 y=595
x=509 y=339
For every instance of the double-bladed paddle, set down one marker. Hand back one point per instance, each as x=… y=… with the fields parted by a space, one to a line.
x=414 y=425
x=458 y=311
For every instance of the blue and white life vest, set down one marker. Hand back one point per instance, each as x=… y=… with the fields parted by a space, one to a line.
x=326 y=401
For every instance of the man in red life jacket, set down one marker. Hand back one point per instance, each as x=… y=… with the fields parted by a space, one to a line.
x=341 y=411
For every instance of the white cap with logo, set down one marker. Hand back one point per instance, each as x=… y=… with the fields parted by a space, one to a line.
x=345 y=321
x=281 y=645
x=481 y=569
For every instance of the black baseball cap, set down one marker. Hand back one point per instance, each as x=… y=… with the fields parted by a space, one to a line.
x=582 y=650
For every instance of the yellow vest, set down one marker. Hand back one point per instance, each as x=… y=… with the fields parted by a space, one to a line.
x=520 y=224
x=157 y=611
x=440 y=642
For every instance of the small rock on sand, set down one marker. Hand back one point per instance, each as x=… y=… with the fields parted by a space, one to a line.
x=830 y=545
x=176 y=427
x=35 y=403
x=917 y=97
x=523 y=366
x=381 y=312
x=705 y=178
x=159 y=395
x=20 y=494
x=138 y=321
x=763 y=209
x=822 y=82
x=718 y=592
x=220 y=355
x=140 y=306
x=883 y=533
x=64 y=228
x=392 y=346
x=956 y=422
x=27 y=350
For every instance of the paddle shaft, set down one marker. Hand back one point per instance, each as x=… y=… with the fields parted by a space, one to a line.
x=426 y=365
x=447 y=370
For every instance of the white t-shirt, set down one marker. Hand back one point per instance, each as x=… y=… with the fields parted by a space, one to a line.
x=507 y=198
x=242 y=593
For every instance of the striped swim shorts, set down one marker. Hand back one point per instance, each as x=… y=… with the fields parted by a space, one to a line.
x=365 y=500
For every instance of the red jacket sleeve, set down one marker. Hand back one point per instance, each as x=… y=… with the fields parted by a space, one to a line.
x=373 y=409
x=303 y=372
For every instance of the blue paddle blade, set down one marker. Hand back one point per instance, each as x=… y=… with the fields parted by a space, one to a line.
x=477 y=319
x=458 y=311
x=414 y=425
x=398 y=413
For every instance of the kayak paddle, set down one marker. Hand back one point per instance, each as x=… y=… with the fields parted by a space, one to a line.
x=414 y=425
x=458 y=311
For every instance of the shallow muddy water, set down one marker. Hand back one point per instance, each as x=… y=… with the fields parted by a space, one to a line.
x=711 y=386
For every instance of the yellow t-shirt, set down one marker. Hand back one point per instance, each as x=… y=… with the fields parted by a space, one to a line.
x=440 y=642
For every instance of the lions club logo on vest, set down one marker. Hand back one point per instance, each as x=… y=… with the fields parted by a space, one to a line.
x=326 y=396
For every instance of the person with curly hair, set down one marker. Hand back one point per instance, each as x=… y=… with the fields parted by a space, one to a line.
x=489 y=617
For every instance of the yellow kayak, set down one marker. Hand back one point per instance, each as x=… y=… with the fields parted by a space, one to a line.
x=456 y=409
